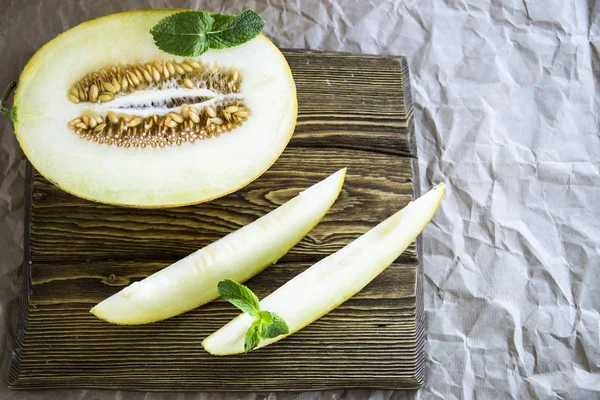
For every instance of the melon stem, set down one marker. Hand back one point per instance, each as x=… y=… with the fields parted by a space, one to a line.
x=7 y=112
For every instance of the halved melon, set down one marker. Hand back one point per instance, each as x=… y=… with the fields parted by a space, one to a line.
x=334 y=279
x=103 y=113
x=192 y=281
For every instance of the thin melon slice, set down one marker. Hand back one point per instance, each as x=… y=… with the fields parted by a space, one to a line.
x=193 y=281
x=103 y=113
x=334 y=279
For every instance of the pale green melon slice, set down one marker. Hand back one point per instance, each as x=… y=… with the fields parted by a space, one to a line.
x=336 y=278
x=149 y=177
x=192 y=281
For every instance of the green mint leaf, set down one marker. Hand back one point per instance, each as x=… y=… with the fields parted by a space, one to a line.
x=266 y=325
x=233 y=30
x=274 y=329
x=184 y=33
x=239 y=295
x=265 y=317
x=253 y=336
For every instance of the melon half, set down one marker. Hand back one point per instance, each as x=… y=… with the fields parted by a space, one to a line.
x=106 y=115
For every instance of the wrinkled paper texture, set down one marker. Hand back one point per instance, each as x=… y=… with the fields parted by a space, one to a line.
x=506 y=113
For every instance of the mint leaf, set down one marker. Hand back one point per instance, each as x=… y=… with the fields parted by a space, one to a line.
x=191 y=33
x=239 y=295
x=220 y=20
x=274 y=329
x=266 y=325
x=233 y=30
x=184 y=33
x=253 y=336
x=265 y=317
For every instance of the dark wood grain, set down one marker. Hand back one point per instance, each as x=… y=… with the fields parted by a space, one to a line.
x=355 y=112
x=376 y=185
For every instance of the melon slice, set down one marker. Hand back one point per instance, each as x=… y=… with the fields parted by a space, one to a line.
x=106 y=115
x=334 y=279
x=193 y=281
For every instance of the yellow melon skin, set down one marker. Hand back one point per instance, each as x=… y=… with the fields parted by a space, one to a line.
x=150 y=177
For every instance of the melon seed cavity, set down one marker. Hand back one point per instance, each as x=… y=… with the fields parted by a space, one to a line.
x=158 y=104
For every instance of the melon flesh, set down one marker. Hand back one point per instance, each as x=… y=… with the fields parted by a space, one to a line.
x=193 y=281
x=334 y=279
x=149 y=177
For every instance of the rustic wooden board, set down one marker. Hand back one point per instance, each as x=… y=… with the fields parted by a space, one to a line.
x=355 y=112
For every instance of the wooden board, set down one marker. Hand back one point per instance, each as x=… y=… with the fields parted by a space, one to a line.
x=355 y=112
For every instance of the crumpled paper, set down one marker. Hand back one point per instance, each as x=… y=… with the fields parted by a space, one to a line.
x=506 y=113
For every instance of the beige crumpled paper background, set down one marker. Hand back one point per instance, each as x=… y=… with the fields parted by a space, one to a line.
x=506 y=113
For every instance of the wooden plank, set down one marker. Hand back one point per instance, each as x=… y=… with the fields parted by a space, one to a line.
x=355 y=112
x=91 y=283
x=63 y=226
x=375 y=117
x=373 y=332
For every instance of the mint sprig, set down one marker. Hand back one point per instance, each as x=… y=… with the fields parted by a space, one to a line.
x=267 y=325
x=240 y=296
x=191 y=33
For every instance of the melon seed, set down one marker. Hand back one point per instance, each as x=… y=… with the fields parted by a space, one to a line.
x=105 y=96
x=99 y=128
x=116 y=85
x=155 y=74
x=128 y=78
x=194 y=117
x=81 y=93
x=170 y=123
x=170 y=68
x=134 y=122
x=176 y=117
x=108 y=87
x=188 y=83
x=208 y=110
x=112 y=117
x=134 y=77
x=179 y=69
x=185 y=111
x=93 y=93
x=139 y=75
x=147 y=75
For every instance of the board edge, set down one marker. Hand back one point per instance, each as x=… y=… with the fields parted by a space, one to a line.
x=21 y=329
